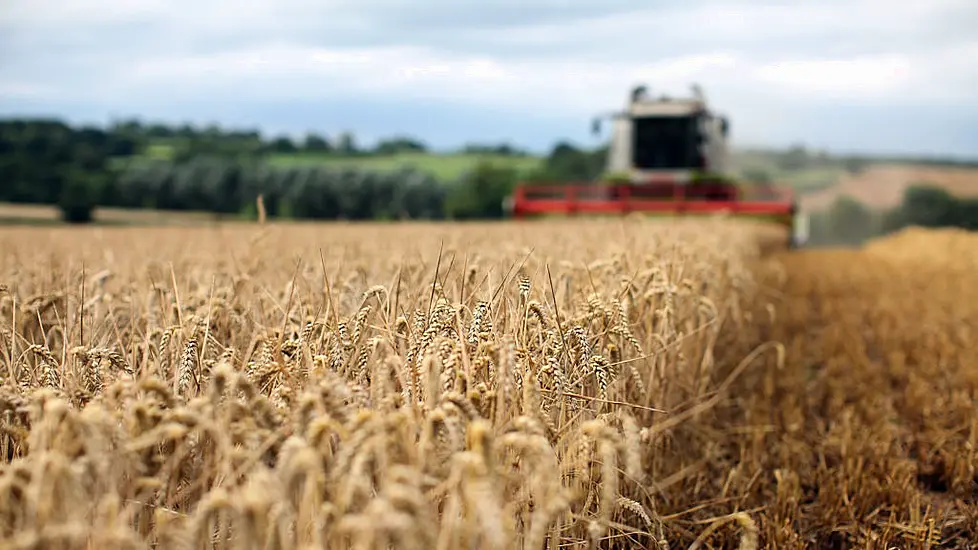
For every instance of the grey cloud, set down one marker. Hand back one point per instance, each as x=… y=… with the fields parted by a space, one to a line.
x=84 y=57
x=497 y=15
x=220 y=24
x=763 y=31
x=624 y=30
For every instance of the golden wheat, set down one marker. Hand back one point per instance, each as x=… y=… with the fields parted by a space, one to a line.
x=578 y=384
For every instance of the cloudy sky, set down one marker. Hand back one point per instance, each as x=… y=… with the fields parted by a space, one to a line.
x=866 y=75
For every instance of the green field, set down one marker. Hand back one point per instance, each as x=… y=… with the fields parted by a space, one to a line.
x=442 y=166
x=809 y=180
x=448 y=166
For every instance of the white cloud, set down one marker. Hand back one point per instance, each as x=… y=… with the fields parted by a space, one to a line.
x=26 y=90
x=756 y=61
x=737 y=24
x=732 y=47
x=48 y=14
x=945 y=75
x=307 y=73
x=951 y=74
x=544 y=86
x=862 y=78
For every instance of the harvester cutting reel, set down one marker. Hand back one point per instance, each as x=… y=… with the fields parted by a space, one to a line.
x=668 y=198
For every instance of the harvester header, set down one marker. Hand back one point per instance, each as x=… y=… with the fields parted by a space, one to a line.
x=666 y=156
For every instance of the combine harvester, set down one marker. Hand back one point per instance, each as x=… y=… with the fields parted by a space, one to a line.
x=666 y=157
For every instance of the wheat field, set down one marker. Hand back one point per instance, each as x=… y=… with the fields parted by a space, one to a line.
x=573 y=384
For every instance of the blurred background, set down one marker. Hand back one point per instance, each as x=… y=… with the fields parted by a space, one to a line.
x=129 y=111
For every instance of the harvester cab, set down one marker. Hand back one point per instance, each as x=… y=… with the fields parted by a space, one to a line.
x=665 y=156
x=665 y=139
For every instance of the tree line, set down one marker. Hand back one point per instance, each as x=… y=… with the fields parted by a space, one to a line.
x=153 y=166
x=190 y=140
x=134 y=165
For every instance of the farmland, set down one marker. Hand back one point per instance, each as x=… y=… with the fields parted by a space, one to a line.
x=445 y=166
x=42 y=214
x=882 y=186
x=485 y=385
x=442 y=165
x=110 y=173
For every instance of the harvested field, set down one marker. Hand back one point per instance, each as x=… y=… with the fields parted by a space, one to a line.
x=874 y=420
x=414 y=386
x=883 y=186
x=43 y=214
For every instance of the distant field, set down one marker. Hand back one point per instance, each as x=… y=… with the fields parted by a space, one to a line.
x=810 y=180
x=802 y=181
x=441 y=165
x=34 y=214
x=445 y=166
x=449 y=166
x=882 y=186
x=159 y=151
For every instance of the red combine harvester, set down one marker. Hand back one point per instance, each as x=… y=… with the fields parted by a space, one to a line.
x=666 y=156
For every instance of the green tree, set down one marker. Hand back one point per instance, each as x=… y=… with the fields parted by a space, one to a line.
x=855 y=165
x=480 y=194
x=347 y=144
x=847 y=222
x=968 y=214
x=567 y=163
x=928 y=206
x=851 y=216
x=77 y=202
x=283 y=144
x=397 y=145
x=316 y=144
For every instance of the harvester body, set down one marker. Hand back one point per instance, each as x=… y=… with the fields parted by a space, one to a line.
x=666 y=138
x=665 y=156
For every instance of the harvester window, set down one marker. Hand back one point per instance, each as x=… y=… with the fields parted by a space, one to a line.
x=665 y=143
